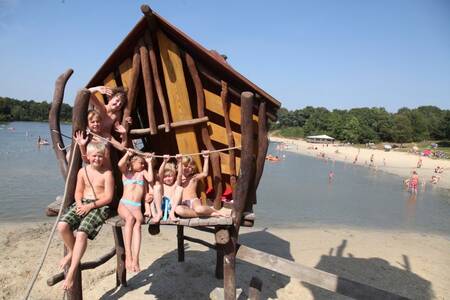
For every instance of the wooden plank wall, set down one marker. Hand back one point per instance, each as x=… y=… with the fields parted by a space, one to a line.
x=176 y=89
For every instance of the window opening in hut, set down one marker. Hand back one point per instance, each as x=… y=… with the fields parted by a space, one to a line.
x=138 y=144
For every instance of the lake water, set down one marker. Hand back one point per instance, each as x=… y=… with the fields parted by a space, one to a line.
x=292 y=192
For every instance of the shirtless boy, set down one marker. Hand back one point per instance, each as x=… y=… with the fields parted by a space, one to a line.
x=191 y=206
x=93 y=192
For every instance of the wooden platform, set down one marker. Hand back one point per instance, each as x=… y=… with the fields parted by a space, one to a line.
x=248 y=220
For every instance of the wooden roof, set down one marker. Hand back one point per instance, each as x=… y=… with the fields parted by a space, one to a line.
x=214 y=62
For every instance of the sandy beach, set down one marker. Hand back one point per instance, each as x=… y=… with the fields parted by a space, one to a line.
x=409 y=264
x=393 y=162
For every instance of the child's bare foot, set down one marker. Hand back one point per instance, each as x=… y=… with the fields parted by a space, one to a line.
x=217 y=214
x=65 y=261
x=128 y=264
x=155 y=219
x=136 y=267
x=173 y=218
x=68 y=282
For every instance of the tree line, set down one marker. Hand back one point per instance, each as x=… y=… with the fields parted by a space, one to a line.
x=363 y=125
x=17 y=110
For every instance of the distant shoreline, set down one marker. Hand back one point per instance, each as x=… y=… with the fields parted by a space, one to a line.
x=397 y=163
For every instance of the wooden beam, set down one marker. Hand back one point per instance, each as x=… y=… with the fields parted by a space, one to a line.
x=143 y=131
x=230 y=137
x=178 y=96
x=263 y=144
x=219 y=134
x=110 y=81
x=313 y=276
x=133 y=88
x=84 y=266
x=211 y=78
x=54 y=124
x=126 y=72
x=254 y=292
x=121 y=272
x=148 y=86
x=180 y=242
x=199 y=241
x=215 y=163
x=149 y=40
x=247 y=168
x=214 y=104
x=225 y=163
x=79 y=123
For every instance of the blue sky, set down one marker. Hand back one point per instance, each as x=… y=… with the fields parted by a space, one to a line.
x=335 y=54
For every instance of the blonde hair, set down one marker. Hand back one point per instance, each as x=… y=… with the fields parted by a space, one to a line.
x=134 y=158
x=93 y=114
x=188 y=160
x=170 y=168
x=93 y=146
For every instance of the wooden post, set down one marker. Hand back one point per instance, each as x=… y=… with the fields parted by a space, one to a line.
x=53 y=121
x=121 y=272
x=240 y=194
x=133 y=90
x=263 y=144
x=148 y=86
x=215 y=160
x=79 y=122
x=230 y=138
x=222 y=236
x=180 y=239
x=254 y=292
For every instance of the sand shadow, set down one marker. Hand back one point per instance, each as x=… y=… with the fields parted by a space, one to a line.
x=375 y=272
x=166 y=278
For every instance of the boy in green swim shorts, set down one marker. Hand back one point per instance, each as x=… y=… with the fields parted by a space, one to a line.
x=93 y=192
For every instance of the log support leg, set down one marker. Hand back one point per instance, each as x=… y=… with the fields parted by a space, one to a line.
x=76 y=292
x=121 y=273
x=219 y=262
x=180 y=239
x=229 y=270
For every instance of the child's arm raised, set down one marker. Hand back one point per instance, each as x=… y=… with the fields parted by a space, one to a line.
x=82 y=142
x=123 y=161
x=95 y=101
x=149 y=173
x=205 y=171
x=161 y=168
x=179 y=169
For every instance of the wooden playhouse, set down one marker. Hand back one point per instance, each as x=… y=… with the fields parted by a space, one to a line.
x=183 y=99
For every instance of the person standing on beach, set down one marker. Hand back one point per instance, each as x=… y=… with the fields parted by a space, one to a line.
x=419 y=162
x=414 y=182
x=93 y=192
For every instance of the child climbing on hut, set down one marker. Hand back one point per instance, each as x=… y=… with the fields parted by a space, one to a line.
x=134 y=178
x=94 y=191
x=110 y=113
x=95 y=126
x=191 y=206
x=167 y=194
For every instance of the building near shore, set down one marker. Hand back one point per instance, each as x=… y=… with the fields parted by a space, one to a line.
x=321 y=139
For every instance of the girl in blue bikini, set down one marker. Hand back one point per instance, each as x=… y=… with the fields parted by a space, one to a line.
x=135 y=177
